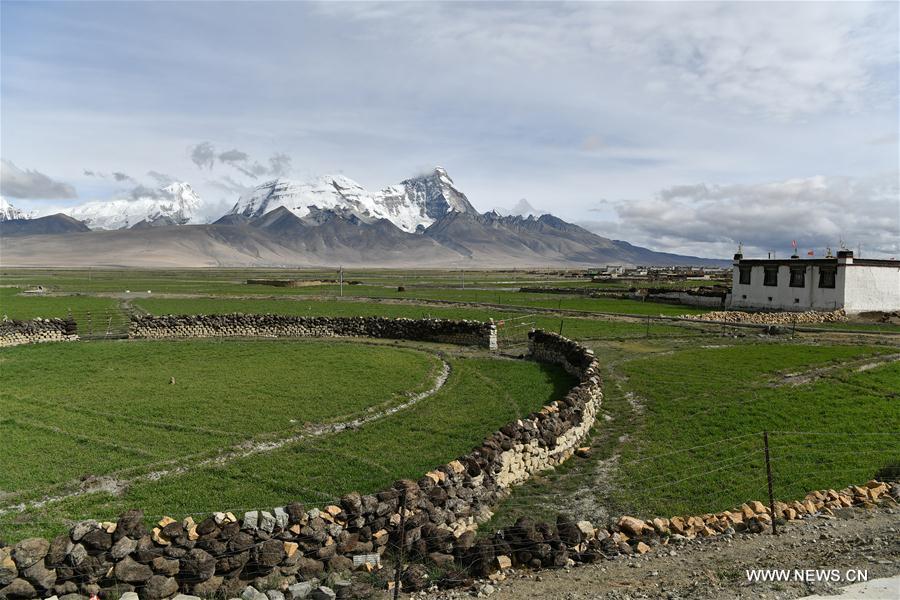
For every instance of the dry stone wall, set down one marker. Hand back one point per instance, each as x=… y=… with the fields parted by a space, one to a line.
x=463 y=332
x=14 y=333
x=434 y=517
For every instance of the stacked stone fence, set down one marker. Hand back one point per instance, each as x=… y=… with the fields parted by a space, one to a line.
x=223 y=553
x=463 y=332
x=14 y=333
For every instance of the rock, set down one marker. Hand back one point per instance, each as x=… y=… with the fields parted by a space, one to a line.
x=59 y=548
x=504 y=562
x=269 y=553
x=164 y=566
x=251 y=593
x=97 y=541
x=290 y=548
x=414 y=578
x=8 y=569
x=323 y=593
x=208 y=588
x=642 y=548
x=282 y=518
x=77 y=555
x=29 y=551
x=251 y=520
x=340 y=564
x=274 y=595
x=185 y=597
x=131 y=571
x=130 y=524
x=300 y=590
x=40 y=576
x=18 y=588
x=123 y=548
x=159 y=587
x=198 y=566
x=129 y=596
x=266 y=522
x=632 y=526
x=83 y=528
x=442 y=561
x=569 y=532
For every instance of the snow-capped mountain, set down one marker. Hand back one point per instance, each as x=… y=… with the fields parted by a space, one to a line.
x=174 y=204
x=523 y=208
x=412 y=205
x=8 y=212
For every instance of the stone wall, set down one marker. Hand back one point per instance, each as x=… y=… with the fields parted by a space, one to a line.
x=470 y=333
x=14 y=333
x=279 y=547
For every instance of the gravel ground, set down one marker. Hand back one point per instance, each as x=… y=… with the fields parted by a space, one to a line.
x=716 y=568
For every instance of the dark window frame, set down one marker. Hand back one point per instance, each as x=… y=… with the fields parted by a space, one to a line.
x=770 y=276
x=798 y=277
x=744 y=275
x=828 y=277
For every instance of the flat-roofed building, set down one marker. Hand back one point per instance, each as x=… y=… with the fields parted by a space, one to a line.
x=856 y=285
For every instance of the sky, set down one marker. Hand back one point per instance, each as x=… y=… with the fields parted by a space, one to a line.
x=682 y=126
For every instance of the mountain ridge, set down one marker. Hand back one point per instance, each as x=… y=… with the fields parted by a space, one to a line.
x=423 y=221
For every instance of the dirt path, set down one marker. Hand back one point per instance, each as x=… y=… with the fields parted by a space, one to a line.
x=858 y=539
x=857 y=366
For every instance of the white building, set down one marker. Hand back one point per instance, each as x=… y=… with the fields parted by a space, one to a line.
x=856 y=285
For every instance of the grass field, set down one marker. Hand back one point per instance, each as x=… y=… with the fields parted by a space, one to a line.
x=683 y=428
x=110 y=411
x=683 y=405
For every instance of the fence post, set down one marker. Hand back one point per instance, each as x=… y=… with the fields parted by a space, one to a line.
x=560 y=326
x=769 y=477
x=398 y=573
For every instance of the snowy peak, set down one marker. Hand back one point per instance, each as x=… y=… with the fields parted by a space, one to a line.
x=436 y=194
x=174 y=204
x=8 y=212
x=412 y=205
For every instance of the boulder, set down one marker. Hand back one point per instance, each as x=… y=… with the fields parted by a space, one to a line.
x=131 y=571
x=18 y=588
x=159 y=587
x=323 y=593
x=123 y=548
x=631 y=526
x=40 y=576
x=164 y=566
x=29 y=551
x=414 y=578
x=301 y=590
x=197 y=566
x=8 y=568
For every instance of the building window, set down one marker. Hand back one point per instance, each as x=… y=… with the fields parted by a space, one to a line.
x=798 y=277
x=770 y=276
x=744 y=275
x=826 y=277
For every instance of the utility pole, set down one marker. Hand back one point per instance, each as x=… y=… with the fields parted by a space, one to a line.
x=769 y=478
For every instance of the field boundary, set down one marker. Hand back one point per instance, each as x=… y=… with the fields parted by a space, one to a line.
x=445 y=506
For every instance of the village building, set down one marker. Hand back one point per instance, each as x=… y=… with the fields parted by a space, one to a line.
x=857 y=285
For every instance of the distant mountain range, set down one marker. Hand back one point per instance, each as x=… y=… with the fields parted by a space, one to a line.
x=422 y=221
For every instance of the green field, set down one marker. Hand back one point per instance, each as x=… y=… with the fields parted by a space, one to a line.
x=693 y=419
x=108 y=409
x=680 y=431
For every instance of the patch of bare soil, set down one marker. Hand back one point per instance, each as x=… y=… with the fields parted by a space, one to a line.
x=863 y=364
x=855 y=540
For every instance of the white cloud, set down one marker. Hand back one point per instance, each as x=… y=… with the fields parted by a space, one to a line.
x=18 y=183
x=817 y=212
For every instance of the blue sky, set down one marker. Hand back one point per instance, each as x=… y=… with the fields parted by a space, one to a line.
x=681 y=126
